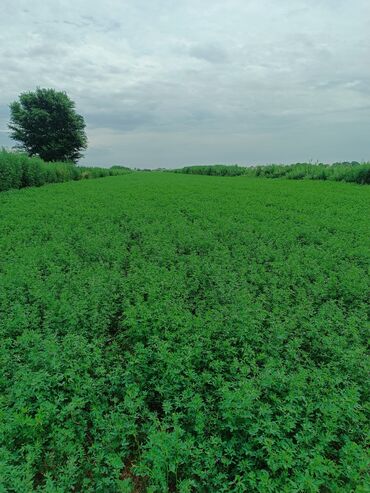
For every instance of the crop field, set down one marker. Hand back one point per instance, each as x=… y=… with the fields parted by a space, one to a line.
x=182 y=333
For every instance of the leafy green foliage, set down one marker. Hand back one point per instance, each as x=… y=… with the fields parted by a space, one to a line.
x=46 y=125
x=214 y=170
x=350 y=172
x=17 y=170
x=164 y=333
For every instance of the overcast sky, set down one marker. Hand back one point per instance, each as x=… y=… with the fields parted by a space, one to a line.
x=175 y=82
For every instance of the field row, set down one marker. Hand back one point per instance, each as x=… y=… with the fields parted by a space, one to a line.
x=163 y=332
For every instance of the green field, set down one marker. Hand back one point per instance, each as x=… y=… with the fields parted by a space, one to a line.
x=180 y=333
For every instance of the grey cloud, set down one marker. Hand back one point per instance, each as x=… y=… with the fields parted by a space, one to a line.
x=209 y=52
x=353 y=84
x=4 y=116
x=125 y=121
x=46 y=50
x=94 y=23
x=172 y=82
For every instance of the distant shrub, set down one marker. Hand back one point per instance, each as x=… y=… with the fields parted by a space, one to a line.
x=348 y=171
x=214 y=170
x=17 y=170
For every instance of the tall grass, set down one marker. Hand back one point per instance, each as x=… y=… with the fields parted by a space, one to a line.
x=350 y=172
x=215 y=170
x=17 y=170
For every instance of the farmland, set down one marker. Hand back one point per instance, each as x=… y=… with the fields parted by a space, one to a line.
x=170 y=332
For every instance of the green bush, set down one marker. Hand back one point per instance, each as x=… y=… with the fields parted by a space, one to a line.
x=214 y=170
x=351 y=172
x=11 y=171
x=17 y=170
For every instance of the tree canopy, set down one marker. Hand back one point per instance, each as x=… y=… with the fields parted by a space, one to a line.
x=45 y=124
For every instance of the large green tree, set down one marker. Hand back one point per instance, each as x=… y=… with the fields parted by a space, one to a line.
x=45 y=123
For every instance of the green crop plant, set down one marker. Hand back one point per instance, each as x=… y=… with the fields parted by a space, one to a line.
x=165 y=332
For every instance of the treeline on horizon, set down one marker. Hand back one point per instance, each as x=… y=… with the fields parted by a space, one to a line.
x=17 y=170
x=353 y=172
